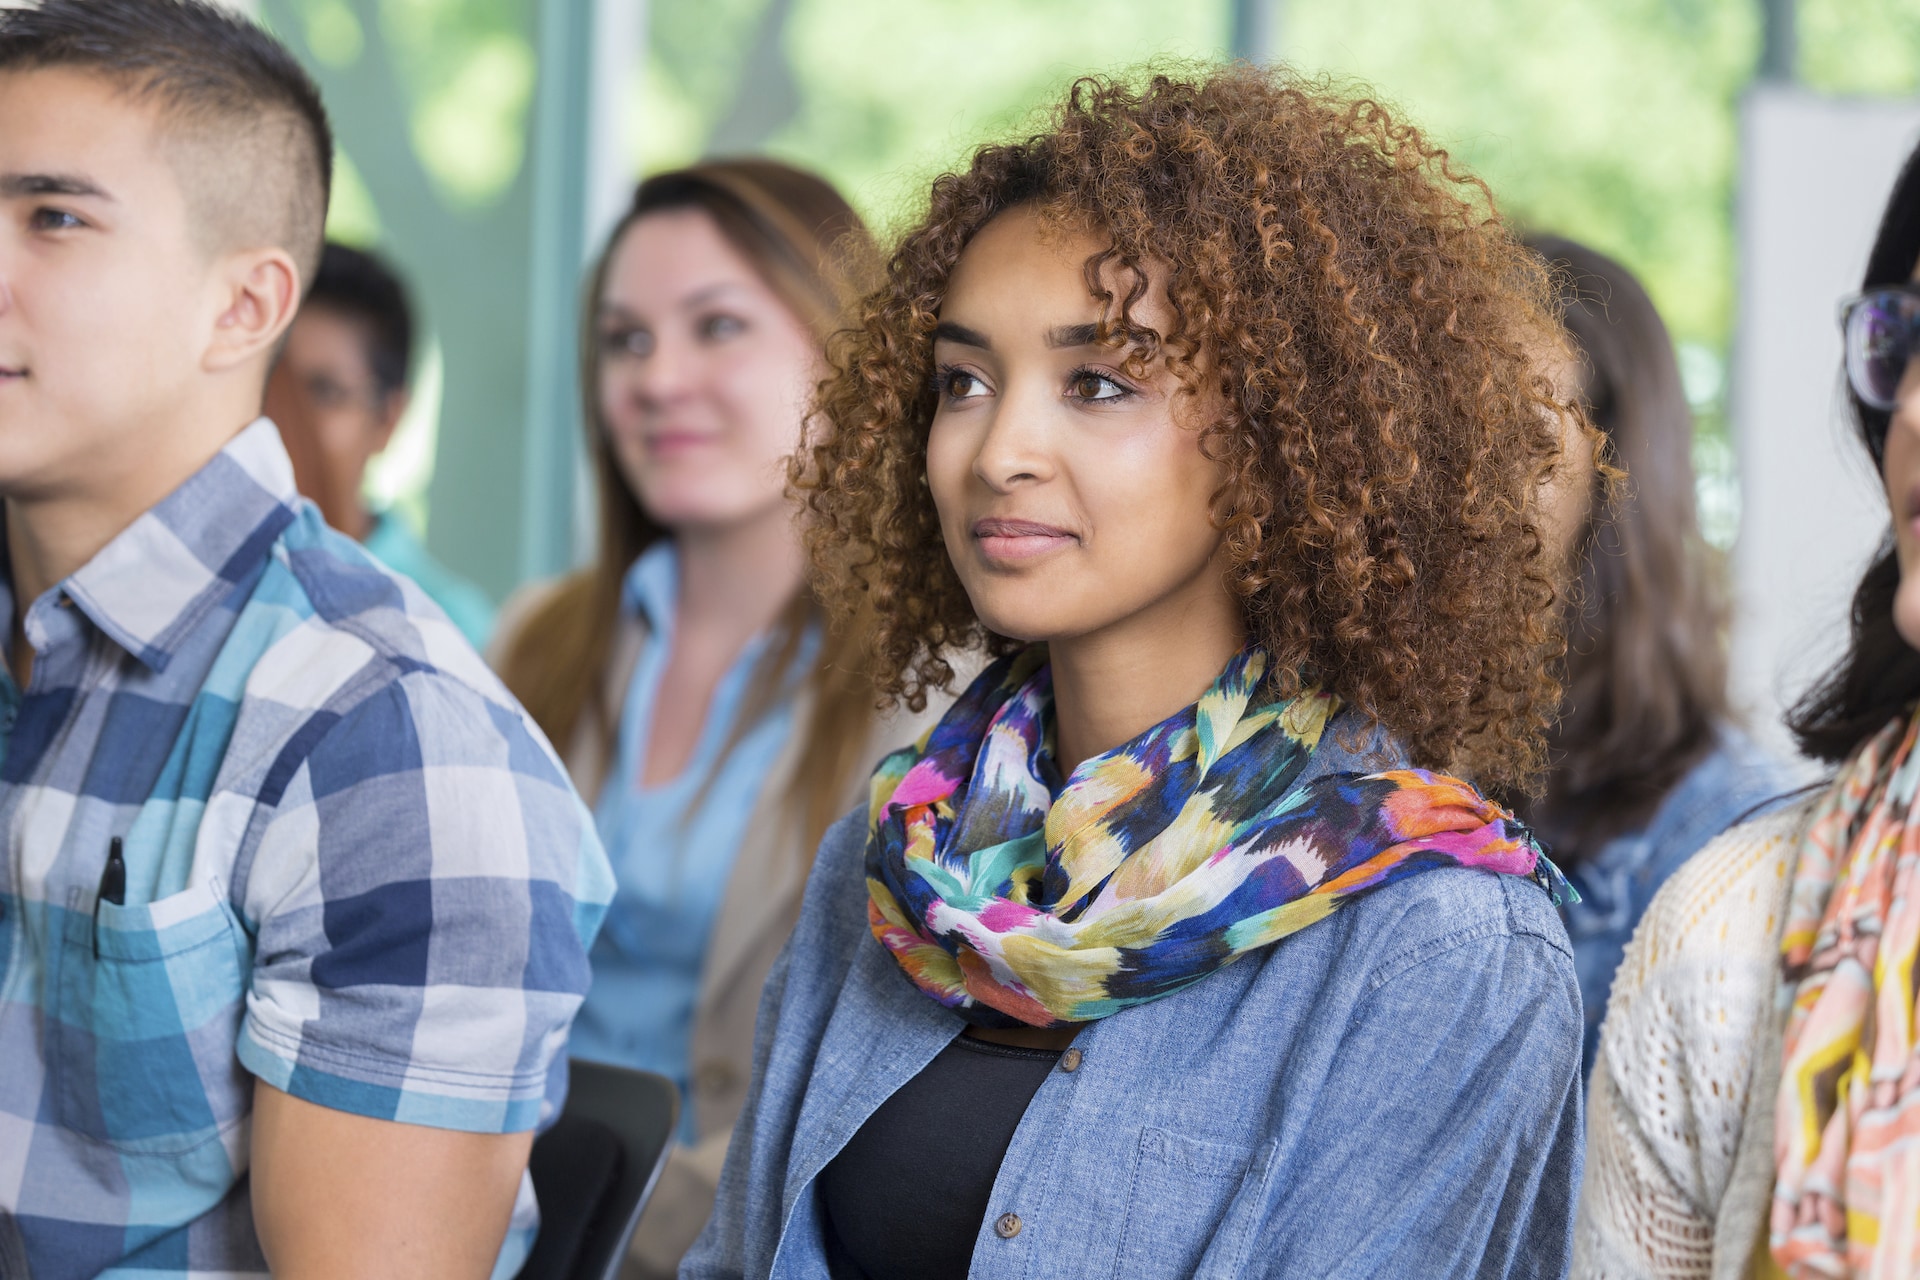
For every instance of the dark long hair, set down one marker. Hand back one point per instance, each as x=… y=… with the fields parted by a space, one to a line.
x=1646 y=666
x=1879 y=677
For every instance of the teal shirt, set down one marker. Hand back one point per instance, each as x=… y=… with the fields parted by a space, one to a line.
x=393 y=543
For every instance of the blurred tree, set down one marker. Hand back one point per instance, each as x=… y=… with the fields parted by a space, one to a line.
x=1614 y=122
x=431 y=97
x=1860 y=46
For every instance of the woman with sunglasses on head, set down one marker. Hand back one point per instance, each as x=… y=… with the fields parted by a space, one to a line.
x=700 y=703
x=1756 y=1102
x=1648 y=764
x=1218 y=412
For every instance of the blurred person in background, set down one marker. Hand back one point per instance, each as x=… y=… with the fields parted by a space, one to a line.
x=340 y=388
x=1755 y=1106
x=699 y=700
x=1217 y=412
x=1647 y=765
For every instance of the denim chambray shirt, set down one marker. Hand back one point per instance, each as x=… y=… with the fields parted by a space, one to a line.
x=1617 y=884
x=1392 y=1091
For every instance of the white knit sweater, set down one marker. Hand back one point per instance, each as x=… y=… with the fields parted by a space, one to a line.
x=1680 y=1120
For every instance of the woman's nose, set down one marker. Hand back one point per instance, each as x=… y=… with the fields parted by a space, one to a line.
x=1013 y=450
x=667 y=374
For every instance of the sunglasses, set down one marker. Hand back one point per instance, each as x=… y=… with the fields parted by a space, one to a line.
x=1882 y=333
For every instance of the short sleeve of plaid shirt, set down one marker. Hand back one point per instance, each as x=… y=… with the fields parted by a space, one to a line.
x=422 y=930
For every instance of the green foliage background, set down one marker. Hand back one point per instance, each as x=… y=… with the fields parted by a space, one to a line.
x=1613 y=121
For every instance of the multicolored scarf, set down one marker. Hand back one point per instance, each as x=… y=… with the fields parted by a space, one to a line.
x=1015 y=898
x=1846 y=1197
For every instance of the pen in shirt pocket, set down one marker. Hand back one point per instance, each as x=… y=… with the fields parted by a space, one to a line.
x=113 y=887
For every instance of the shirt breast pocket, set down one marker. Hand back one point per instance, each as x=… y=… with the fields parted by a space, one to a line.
x=143 y=1012
x=1192 y=1209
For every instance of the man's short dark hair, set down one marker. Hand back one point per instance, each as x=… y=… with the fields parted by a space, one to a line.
x=361 y=288
x=220 y=81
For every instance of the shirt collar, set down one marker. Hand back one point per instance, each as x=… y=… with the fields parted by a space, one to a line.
x=148 y=587
x=652 y=586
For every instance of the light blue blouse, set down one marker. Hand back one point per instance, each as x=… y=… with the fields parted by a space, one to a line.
x=672 y=846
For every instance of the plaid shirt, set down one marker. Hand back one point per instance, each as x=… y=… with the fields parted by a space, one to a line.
x=353 y=869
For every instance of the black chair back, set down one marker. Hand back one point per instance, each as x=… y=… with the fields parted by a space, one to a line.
x=595 y=1167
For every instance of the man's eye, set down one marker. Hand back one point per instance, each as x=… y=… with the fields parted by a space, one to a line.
x=54 y=220
x=626 y=342
x=1088 y=385
x=327 y=393
x=720 y=328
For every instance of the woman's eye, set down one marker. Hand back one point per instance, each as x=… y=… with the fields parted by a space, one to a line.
x=720 y=328
x=54 y=220
x=1088 y=385
x=626 y=342
x=958 y=384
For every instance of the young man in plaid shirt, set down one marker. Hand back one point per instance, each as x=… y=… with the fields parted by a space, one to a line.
x=294 y=902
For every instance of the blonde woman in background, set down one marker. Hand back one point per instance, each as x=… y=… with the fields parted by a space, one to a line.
x=716 y=725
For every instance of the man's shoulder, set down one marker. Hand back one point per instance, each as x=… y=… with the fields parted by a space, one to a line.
x=333 y=642
x=347 y=611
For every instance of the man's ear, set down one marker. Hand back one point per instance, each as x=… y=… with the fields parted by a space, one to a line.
x=258 y=292
x=393 y=407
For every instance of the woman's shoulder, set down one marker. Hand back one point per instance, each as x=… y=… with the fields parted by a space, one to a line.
x=1425 y=928
x=1728 y=785
x=1725 y=900
x=1693 y=998
x=522 y=604
x=833 y=910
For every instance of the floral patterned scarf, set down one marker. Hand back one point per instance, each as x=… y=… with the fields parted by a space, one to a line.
x=1846 y=1197
x=1015 y=898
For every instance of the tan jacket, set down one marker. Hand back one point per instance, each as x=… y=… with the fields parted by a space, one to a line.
x=757 y=911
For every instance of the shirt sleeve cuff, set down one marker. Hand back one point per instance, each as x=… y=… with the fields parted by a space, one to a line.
x=386 y=1091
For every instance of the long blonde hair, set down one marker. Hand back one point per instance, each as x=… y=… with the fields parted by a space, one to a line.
x=807 y=243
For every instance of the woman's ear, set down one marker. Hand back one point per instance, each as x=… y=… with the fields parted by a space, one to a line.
x=259 y=292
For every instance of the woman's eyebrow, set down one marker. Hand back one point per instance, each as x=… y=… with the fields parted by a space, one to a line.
x=948 y=331
x=701 y=297
x=1074 y=335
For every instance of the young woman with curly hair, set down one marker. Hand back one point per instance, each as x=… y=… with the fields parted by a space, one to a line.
x=1218 y=412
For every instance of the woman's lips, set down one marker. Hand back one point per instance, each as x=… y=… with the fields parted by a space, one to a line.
x=1018 y=539
x=668 y=443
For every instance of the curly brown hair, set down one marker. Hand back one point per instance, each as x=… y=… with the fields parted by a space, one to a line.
x=1378 y=342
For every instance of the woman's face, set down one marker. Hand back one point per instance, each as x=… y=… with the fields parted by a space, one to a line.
x=1073 y=498
x=1901 y=473
x=704 y=374
x=1566 y=499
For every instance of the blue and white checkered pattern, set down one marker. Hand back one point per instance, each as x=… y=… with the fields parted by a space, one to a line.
x=353 y=870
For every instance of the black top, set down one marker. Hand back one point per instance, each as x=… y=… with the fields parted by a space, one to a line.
x=905 y=1197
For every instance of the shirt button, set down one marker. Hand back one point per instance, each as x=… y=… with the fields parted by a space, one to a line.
x=1007 y=1225
x=1070 y=1060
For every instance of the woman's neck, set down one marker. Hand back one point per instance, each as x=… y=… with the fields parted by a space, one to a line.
x=1115 y=684
x=736 y=579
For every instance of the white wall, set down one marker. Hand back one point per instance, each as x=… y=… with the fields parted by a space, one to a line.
x=1815 y=173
